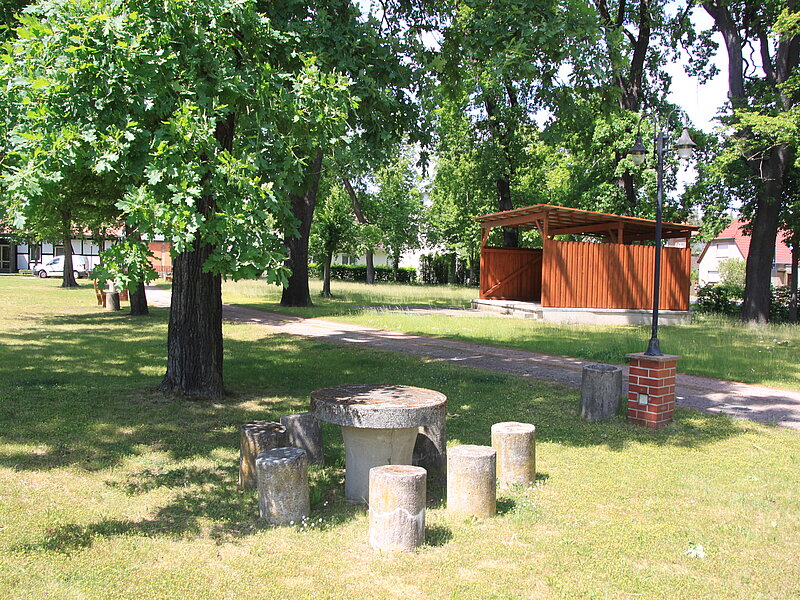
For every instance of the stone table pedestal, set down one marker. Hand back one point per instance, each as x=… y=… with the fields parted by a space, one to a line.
x=379 y=426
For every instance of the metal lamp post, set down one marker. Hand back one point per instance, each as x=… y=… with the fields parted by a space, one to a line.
x=684 y=147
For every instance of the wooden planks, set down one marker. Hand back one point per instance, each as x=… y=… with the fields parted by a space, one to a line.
x=511 y=274
x=590 y=275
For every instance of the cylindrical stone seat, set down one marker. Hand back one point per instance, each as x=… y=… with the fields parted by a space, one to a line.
x=471 y=480
x=601 y=388
x=112 y=300
x=304 y=432
x=396 y=507
x=515 y=444
x=257 y=437
x=283 y=494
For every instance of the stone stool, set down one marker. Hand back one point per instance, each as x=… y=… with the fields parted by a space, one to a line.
x=305 y=433
x=515 y=444
x=257 y=437
x=471 y=480
x=396 y=507
x=601 y=388
x=283 y=494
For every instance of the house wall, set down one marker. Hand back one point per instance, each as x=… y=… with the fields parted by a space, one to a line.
x=161 y=259
x=719 y=250
x=380 y=259
x=30 y=253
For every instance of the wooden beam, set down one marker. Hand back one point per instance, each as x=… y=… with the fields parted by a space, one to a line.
x=529 y=219
x=585 y=228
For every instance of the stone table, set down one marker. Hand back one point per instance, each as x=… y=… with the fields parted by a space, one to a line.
x=379 y=426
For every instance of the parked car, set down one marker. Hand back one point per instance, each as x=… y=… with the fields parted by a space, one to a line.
x=55 y=267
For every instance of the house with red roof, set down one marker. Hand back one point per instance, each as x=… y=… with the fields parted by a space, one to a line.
x=733 y=242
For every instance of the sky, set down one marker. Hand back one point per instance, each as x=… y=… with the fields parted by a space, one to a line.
x=700 y=102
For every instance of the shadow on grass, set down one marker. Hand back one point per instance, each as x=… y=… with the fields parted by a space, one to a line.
x=82 y=396
x=437 y=535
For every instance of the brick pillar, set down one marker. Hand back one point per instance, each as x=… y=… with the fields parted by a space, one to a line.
x=651 y=389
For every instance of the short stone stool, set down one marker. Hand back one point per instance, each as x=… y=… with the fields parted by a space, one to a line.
x=471 y=480
x=283 y=494
x=305 y=433
x=515 y=444
x=601 y=388
x=396 y=507
x=257 y=437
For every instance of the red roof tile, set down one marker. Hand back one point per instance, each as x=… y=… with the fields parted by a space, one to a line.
x=734 y=232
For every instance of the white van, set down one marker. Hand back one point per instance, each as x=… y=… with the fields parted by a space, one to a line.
x=55 y=267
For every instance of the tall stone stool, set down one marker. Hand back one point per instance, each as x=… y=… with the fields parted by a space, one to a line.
x=396 y=507
x=601 y=388
x=471 y=480
x=515 y=444
x=257 y=437
x=283 y=494
x=305 y=433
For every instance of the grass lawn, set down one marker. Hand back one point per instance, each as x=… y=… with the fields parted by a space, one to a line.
x=711 y=346
x=109 y=489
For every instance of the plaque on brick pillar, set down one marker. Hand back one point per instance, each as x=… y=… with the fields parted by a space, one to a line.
x=651 y=389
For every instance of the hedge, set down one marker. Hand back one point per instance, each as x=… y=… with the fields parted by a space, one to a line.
x=359 y=273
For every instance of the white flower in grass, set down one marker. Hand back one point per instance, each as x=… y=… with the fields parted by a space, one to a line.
x=696 y=551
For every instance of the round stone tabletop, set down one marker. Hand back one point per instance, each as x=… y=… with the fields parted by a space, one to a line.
x=378 y=406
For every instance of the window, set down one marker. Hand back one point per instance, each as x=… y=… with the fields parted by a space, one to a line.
x=59 y=250
x=726 y=251
x=34 y=253
x=713 y=276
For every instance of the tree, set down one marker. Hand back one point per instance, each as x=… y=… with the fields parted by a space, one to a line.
x=373 y=59
x=204 y=131
x=333 y=230
x=760 y=125
x=399 y=207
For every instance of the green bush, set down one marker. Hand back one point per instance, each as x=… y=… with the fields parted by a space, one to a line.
x=725 y=299
x=780 y=298
x=717 y=298
x=359 y=273
x=437 y=269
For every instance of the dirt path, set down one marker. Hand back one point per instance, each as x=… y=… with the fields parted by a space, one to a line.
x=757 y=403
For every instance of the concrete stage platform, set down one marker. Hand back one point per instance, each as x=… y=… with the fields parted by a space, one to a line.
x=581 y=316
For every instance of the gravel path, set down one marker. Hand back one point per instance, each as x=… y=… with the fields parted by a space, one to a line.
x=740 y=400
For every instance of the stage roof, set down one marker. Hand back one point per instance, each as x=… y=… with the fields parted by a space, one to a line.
x=561 y=220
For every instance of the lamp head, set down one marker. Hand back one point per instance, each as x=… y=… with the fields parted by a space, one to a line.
x=638 y=153
x=684 y=145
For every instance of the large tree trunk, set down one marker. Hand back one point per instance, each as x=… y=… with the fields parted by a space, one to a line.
x=296 y=292
x=370 y=259
x=326 y=275
x=138 y=299
x=768 y=168
x=68 y=280
x=630 y=81
x=503 y=177
x=758 y=271
x=194 y=338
